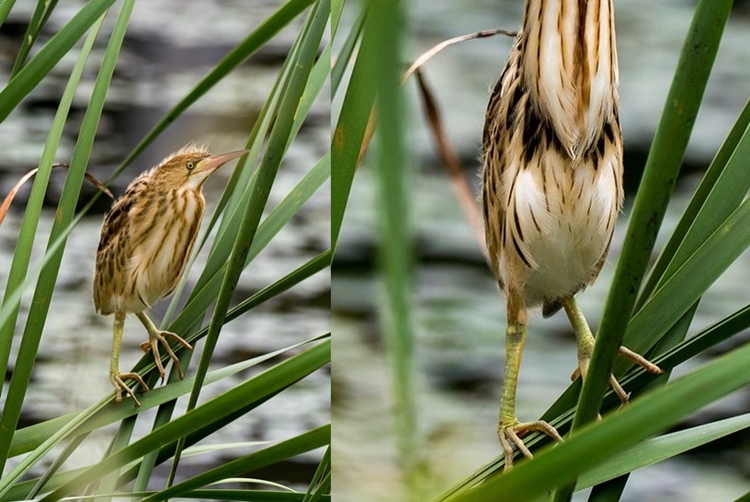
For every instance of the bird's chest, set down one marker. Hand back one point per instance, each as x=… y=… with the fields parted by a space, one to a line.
x=561 y=220
x=161 y=248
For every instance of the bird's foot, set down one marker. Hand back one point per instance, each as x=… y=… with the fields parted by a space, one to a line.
x=118 y=382
x=512 y=434
x=616 y=387
x=157 y=337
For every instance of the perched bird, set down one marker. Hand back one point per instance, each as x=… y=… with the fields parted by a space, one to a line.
x=552 y=179
x=144 y=247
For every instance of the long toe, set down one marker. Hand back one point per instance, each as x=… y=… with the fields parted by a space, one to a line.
x=640 y=361
x=118 y=382
x=621 y=394
x=161 y=337
x=511 y=435
x=177 y=338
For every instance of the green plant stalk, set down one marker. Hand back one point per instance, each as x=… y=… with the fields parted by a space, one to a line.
x=321 y=477
x=350 y=129
x=385 y=26
x=291 y=370
x=708 y=185
x=273 y=155
x=49 y=55
x=347 y=49
x=613 y=488
x=255 y=40
x=5 y=8
x=662 y=448
x=560 y=413
x=659 y=178
x=72 y=445
x=563 y=463
x=25 y=242
x=64 y=215
x=308 y=441
x=41 y=13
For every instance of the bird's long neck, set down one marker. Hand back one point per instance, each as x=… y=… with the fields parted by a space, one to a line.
x=570 y=66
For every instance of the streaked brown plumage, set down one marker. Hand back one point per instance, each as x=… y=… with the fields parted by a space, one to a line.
x=144 y=246
x=552 y=177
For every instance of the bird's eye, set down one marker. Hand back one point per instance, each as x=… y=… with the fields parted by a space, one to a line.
x=190 y=165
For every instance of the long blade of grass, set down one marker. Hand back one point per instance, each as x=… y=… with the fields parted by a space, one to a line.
x=5 y=8
x=308 y=441
x=344 y=56
x=662 y=448
x=33 y=210
x=384 y=28
x=563 y=463
x=280 y=376
x=266 y=176
x=349 y=132
x=41 y=13
x=247 y=47
x=64 y=215
x=716 y=172
x=49 y=55
x=660 y=175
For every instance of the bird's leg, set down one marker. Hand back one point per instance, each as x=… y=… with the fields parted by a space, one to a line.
x=585 y=340
x=115 y=376
x=509 y=429
x=156 y=336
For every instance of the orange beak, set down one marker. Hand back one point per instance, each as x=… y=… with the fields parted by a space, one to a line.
x=212 y=163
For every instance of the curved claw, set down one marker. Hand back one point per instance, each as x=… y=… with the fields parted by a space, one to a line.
x=157 y=337
x=119 y=384
x=511 y=435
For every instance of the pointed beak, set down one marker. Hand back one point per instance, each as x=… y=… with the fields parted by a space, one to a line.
x=212 y=163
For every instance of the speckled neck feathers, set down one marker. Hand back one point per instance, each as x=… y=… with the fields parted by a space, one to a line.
x=569 y=61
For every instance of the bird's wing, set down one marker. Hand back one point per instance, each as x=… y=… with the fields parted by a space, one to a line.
x=110 y=261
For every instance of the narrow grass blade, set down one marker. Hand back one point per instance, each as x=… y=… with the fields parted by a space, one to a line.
x=270 y=27
x=384 y=29
x=41 y=13
x=349 y=132
x=280 y=376
x=64 y=215
x=662 y=448
x=659 y=178
x=5 y=8
x=713 y=174
x=33 y=210
x=268 y=456
x=49 y=55
x=266 y=175
x=655 y=411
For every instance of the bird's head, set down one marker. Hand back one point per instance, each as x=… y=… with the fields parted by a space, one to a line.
x=191 y=166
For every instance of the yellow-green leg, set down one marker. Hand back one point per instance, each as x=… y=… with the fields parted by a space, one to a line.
x=509 y=430
x=585 y=340
x=115 y=376
x=155 y=337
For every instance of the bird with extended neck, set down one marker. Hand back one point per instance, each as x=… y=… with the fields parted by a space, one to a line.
x=552 y=180
x=144 y=247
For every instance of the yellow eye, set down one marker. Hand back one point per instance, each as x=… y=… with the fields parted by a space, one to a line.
x=190 y=165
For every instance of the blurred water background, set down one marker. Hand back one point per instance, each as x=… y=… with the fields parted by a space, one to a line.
x=169 y=46
x=459 y=313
